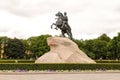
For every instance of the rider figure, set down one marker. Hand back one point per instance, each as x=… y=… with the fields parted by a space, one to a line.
x=65 y=21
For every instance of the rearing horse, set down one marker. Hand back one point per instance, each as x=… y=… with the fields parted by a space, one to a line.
x=64 y=28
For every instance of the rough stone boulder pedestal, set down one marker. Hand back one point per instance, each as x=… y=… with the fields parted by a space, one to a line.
x=63 y=50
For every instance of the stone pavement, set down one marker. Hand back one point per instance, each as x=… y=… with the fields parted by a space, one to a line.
x=60 y=76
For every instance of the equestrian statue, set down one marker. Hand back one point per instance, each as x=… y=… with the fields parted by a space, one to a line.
x=62 y=24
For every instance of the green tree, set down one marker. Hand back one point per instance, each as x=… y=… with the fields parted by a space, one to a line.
x=80 y=43
x=114 y=47
x=15 y=49
x=100 y=49
x=89 y=48
x=38 y=45
x=3 y=39
x=97 y=48
x=104 y=37
x=27 y=49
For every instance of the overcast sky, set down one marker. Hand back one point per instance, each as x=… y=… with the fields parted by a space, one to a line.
x=87 y=18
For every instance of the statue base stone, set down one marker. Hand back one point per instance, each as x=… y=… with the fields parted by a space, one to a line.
x=63 y=50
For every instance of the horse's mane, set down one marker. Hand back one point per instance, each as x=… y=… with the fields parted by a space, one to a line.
x=61 y=15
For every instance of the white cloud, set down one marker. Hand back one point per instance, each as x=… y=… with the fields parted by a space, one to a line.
x=87 y=18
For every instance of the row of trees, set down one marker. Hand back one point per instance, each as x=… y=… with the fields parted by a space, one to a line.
x=15 y=48
x=102 y=47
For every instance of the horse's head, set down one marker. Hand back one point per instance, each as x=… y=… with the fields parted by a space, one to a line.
x=59 y=14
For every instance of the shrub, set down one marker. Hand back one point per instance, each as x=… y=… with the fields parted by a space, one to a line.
x=17 y=61
x=107 y=61
x=61 y=66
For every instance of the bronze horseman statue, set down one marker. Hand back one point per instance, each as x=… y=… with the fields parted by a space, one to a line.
x=62 y=24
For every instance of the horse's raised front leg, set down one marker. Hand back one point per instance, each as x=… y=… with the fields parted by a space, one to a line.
x=52 y=25
x=55 y=27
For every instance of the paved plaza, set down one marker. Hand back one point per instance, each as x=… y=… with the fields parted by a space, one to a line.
x=61 y=76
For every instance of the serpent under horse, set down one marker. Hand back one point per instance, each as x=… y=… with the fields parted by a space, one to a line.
x=64 y=28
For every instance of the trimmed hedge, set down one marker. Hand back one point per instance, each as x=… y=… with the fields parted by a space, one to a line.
x=61 y=66
x=17 y=61
x=32 y=61
x=107 y=61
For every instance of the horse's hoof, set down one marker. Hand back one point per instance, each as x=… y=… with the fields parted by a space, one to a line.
x=56 y=28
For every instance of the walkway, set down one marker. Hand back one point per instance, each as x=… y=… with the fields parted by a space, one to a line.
x=61 y=76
